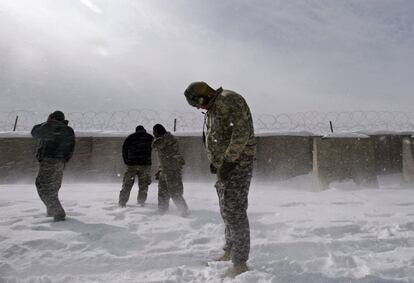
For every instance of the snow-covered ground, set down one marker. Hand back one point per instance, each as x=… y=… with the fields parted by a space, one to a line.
x=340 y=235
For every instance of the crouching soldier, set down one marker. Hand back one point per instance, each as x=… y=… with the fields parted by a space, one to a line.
x=136 y=152
x=170 y=183
x=56 y=141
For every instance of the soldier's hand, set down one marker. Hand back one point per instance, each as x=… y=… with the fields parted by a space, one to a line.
x=225 y=169
x=213 y=169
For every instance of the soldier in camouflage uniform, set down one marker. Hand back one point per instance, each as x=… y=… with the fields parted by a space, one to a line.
x=56 y=141
x=231 y=145
x=170 y=183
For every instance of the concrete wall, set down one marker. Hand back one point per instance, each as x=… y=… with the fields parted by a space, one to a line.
x=338 y=159
x=283 y=157
x=387 y=153
x=99 y=159
x=17 y=160
x=95 y=159
x=408 y=160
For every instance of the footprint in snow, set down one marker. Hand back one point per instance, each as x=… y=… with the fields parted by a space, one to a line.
x=44 y=244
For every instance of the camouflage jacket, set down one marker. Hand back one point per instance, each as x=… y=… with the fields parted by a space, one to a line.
x=169 y=155
x=230 y=132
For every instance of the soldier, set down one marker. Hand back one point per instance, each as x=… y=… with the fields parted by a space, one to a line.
x=231 y=144
x=56 y=141
x=170 y=184
x=136 y=152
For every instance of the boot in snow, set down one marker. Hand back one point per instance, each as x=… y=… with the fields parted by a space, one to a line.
x=238 y=268
x=225 y=257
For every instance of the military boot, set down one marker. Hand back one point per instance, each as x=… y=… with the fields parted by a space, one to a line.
x=185 y=213
x=142 y=197
x=59 y=217
x=225 y=257
x=237 y=269
x=49 y=213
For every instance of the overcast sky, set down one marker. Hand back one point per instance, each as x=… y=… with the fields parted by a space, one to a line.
x=281 y=55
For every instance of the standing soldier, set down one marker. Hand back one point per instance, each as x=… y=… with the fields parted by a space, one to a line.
x=231 y=145
x=136 y=152
x=56 y=141
x=170 y=184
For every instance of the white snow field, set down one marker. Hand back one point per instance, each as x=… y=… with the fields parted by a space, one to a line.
x=340 y=235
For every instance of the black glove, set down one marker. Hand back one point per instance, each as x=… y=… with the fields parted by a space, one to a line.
x=157 y=175
x=225 y=169
x=213 y=169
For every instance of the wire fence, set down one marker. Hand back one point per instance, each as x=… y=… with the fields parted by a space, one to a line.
x=126 y=121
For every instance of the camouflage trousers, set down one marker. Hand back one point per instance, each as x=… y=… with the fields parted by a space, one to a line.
x=170 y=185
x=48 y=183
x=143 y=172
x=233 y=189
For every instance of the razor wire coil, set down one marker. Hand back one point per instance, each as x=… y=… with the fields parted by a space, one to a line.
x=312 y=122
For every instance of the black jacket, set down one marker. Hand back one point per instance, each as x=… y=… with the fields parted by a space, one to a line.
x=136 y=149
x=55 y=140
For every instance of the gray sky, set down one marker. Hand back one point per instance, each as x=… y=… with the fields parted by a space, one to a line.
x=282 y=56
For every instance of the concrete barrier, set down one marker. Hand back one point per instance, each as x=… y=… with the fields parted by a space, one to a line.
x=342 y=158
x=408 y=160
x=388 y=153
x=99 y=159
x=95 y=159
x=17 y=160
x=283 y=157
x=278 y=157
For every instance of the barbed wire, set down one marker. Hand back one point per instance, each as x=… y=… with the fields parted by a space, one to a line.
x=126 y=121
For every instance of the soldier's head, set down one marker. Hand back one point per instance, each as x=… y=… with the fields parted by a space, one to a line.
x=140 y=129
x=199 y=94
x=158 y=130
x=57 y=115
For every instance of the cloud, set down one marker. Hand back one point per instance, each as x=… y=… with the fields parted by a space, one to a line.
x=91 y=6
x=282 y=56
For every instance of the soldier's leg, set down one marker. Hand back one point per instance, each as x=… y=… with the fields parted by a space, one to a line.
x=58 y=212
x=144 y=180
x=41 y=186
x=128 y=182
x=176 y=190
x=234 y=211
x=227 y=246
x=48 y=183
x=163 y=194
x=238 y=224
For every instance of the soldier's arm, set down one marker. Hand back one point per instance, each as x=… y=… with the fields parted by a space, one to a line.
x=71 y=143
x=37 y=131
x=125 y=149
x=150 y=140
x=176 y=148
x=239 y=122
x=158 y=144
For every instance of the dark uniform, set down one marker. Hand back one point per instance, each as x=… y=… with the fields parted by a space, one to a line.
x=170 y=183
x=136 y=152
x=56 y=141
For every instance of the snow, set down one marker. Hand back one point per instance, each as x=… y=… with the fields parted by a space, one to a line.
x=345 y=135
x=386 y=133
x=286 y=133
x=345 y=234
